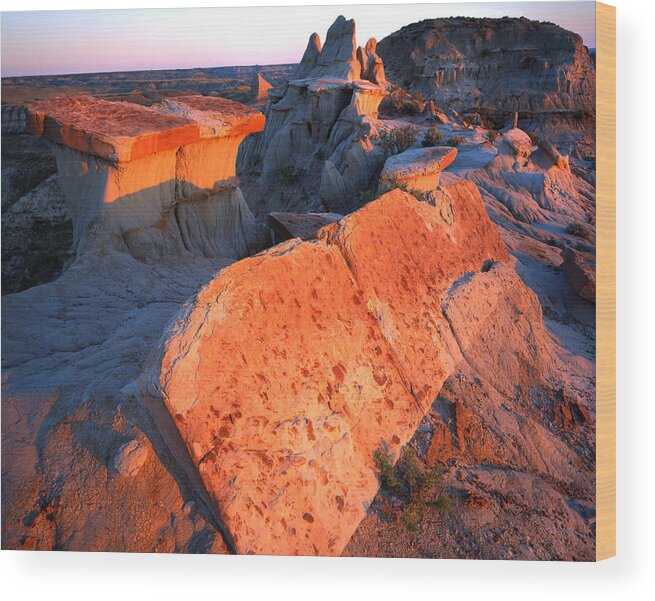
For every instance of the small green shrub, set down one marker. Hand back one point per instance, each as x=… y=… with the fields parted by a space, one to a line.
x=409 y=519
x=455 y=141
x=397 y=97
x=386 y=473
x=432 y=137
x=580 y=230
x=492 y=134
x=412 y=483
x=288 y=174
x=397 y=140
x=366 y=196
x=418 y=97
x=410 y=108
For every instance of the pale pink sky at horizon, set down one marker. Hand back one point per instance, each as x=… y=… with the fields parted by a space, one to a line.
x=91 y=41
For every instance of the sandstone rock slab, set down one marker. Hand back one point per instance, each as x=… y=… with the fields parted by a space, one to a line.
x=290 y=368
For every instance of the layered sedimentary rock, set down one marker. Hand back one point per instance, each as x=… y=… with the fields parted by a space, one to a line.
x=328 y=349
x=534 y=182
x=161 y=181
x=321 y=121
x=504 y=64
x=13 y=119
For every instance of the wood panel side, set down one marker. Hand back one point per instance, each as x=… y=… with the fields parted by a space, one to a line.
x=606 y=281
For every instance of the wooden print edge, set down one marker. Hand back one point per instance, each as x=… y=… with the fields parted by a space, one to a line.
x=606 y=281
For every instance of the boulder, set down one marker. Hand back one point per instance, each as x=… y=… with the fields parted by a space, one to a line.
x=326 y=353
x=417 y=169
x=518 y=142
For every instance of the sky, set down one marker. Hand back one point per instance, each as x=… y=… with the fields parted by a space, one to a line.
x=87 y=41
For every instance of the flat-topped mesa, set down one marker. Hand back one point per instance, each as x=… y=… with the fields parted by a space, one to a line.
x=160 y=180
x=417 y=169
x=283 y=398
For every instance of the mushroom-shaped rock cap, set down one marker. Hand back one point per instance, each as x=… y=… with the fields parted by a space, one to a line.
x=518 y=141
x=418 y=163
x=116 y=131
x=215 y=116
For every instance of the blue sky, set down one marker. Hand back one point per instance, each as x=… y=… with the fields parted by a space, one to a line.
x=51 y=42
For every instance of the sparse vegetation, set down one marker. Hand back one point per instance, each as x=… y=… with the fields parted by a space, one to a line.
x=288 y=174
x=387 y=184
x=410 y=108
x=432 y=137
x=535 y=138
x=492 y=118
x=399 y=139
x=413 y=484
x=366 y=196
x=397 y=97
x=492 y=134
x=455 y=141
x=581 y=230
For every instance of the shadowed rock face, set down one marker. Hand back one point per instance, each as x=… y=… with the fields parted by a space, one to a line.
x=504 y=64
x=289 y=369
x=319 y=129
x=160 y=180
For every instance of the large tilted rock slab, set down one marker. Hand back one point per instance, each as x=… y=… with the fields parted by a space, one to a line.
x=159 y=180
x=290 y=368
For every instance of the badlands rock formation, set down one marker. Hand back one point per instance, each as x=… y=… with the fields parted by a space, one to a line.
x=259 y=89
x=318 y=136
x=363 y=343
x=84 y=466
x=509 y=64
x=159 y=396
x=160 y=180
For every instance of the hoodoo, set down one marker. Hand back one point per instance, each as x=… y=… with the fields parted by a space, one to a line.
x=162 y=179
x=320 y=123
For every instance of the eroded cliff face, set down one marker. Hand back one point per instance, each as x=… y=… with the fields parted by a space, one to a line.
x=508 y=64
x=315 y=152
